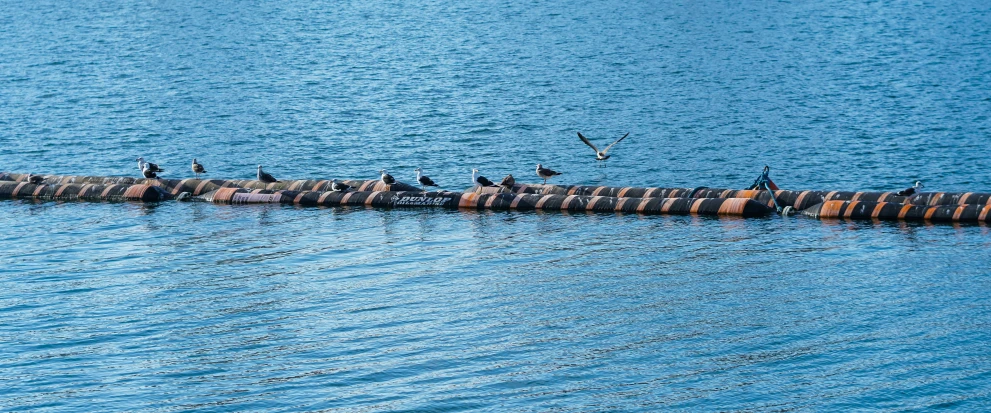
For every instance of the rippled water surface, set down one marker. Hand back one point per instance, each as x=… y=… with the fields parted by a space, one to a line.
x=191 y=306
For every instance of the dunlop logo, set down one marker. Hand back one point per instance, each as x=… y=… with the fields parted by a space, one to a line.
x=419 y=201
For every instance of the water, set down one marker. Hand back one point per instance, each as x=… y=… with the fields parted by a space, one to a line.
x=172 y=307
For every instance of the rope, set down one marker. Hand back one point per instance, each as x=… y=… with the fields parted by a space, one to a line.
x=762 y=183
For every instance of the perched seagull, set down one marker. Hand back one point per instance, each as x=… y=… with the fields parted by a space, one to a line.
x=600 y=155
x=153 y=167
x=339 y=187
x=508 y=182
x=423 y=180
x=265 y=177
x=545 y=173
x=479 y=179
x=148 y=172
x=386 y=178
x=35 y=179
x=198 y=169
x=910 y=191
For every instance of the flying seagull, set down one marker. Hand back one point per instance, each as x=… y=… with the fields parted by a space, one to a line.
x=265 y=177
x=508 y=182
x=147 y=172
x=339 y=187
x=545 y=173
x=479 y=179
x=153 y=167
x=386 y=178
x=198 y=169
x=35 y=179
x=600 y=155
x=910 y=191
x=423 y=180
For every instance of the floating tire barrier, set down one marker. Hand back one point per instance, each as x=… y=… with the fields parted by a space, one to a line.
x=799 y=200
x=932 y=206
x=83 y=192
x=893 y=211
x=197 y=187
x=499 y=202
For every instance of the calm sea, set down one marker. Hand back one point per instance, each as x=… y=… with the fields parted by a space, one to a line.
x=199 y=307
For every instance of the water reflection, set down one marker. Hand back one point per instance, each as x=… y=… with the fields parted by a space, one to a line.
x=356 y=290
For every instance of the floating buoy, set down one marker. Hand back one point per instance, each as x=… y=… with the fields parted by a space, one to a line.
x=83 y=192
x=197 y=187
x=496 y=201
x=933 y=206
x=798 y=200
x=894 y=211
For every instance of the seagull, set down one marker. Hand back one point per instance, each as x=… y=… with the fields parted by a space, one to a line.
x=545 y=173
x=148 y=172
x=339 y=187
x=508 y=182
x=35 y=179
x=910 y=191
x=198 y=169
x=264 y=177
x=600 y=155
x=153 y=167
x=423 y=180
x=386 y=178
x=479 y=179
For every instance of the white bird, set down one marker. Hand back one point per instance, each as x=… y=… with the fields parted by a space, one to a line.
x=600 y=155
x=911 y=191
x=339 y=187
x=265 y=177
x=545 y=173
x=386 y=178
x=198 y=169
x=479 y=179
x=423 y=180
x=151 y=166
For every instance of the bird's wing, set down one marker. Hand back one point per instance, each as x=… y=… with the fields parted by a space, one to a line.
x=617 y=141
x=584 y=139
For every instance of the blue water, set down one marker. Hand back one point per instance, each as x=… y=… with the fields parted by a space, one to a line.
x=176 y=307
